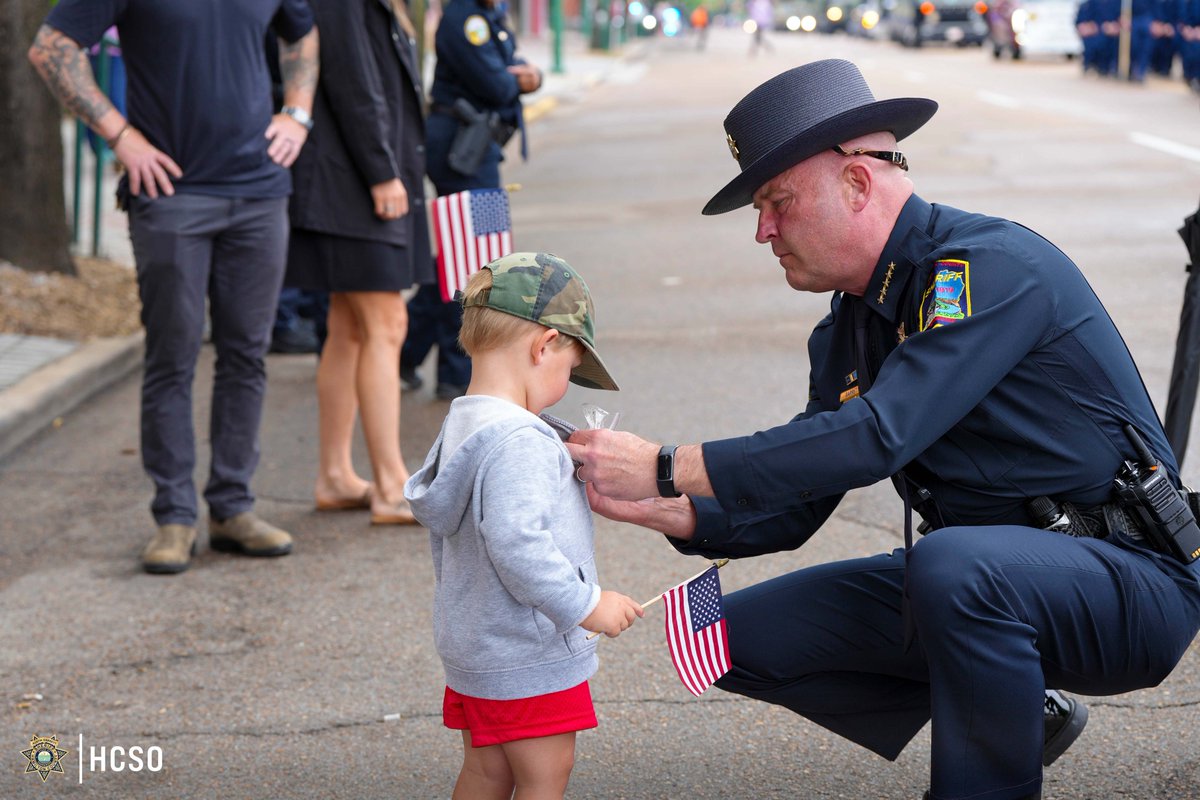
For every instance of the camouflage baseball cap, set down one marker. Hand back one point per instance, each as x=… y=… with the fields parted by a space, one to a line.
x=544 y=289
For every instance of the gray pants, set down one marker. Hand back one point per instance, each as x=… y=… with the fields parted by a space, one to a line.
x=232 y=251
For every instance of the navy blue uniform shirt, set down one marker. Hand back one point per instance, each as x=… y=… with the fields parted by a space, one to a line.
x=474 y=50
x=995 y=376
x=199 y=88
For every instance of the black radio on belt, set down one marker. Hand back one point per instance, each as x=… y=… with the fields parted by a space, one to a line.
x=1145 y=489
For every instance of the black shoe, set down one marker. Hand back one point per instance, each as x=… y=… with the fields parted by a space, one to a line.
x=295 y=340
x=450 y=391
x=1035 y=796
x=410 y=381
x=1063 y=722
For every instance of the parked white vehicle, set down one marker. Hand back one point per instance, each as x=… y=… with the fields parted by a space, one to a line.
x=1034 y=27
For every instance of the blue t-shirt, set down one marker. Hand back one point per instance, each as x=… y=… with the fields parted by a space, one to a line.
x=198 y=84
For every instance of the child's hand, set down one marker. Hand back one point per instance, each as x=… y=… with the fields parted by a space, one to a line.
x=614 y=613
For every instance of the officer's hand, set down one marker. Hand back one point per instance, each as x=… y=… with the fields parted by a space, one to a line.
x=287 y=137
x=618 y=464
x=529 y=77
x=148 y=167
x=674 y=516
x=390 y=198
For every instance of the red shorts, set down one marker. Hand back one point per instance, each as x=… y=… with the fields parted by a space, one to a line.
x=498 y=721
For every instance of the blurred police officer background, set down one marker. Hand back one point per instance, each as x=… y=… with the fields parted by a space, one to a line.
x=477 y=65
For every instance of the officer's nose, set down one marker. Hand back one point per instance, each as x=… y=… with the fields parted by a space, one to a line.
x=766 y=227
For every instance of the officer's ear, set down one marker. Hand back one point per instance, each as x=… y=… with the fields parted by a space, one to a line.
x=857 y=182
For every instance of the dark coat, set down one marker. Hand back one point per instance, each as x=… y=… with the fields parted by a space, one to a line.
x=368 y=127
x=995 y=376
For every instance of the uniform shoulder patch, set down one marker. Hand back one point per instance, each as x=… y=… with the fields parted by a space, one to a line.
x=477 y=30
x=948 y=298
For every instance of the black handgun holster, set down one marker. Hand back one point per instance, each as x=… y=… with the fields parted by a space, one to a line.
x=472 y=139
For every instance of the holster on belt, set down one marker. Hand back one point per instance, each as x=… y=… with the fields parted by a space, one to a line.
x=476 y=131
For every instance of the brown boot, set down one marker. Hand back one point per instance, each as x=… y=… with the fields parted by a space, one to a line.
x=248 y=535
x=171 y=550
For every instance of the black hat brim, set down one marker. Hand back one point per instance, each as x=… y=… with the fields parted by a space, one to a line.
x=901 y=116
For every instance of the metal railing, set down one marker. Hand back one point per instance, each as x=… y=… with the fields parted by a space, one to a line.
x=103 y=72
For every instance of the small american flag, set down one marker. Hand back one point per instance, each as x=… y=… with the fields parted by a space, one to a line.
x=696 y=633
x=471 y=229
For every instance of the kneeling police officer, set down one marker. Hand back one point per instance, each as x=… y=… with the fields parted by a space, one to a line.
x=967 y=358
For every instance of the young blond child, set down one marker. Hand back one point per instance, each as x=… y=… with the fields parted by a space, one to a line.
x=511 y=530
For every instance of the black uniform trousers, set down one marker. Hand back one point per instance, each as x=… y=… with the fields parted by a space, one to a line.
x=1001 y=613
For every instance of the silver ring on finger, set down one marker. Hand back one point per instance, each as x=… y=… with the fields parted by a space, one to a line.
x=579 y=477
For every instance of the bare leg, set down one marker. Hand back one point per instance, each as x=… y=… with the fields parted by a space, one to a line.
x=336 y=478
x=485 y=774
x=541 y=767
x=382 y=319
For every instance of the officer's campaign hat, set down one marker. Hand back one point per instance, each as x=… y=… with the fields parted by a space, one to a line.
x=801 y=112
x=543 y=288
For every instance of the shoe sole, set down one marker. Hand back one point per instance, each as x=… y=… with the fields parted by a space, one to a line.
x=232 y=546
x=166 y=569
x=1056 y=745
x=169 y=568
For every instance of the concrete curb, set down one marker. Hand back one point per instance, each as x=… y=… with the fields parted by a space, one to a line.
x=60 y=386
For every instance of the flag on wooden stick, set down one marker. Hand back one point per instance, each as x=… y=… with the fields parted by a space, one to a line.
x=696 y=633
x=471 y=228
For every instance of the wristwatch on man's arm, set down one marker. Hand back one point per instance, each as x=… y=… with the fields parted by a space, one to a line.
x=666 y=471
x=300 y=115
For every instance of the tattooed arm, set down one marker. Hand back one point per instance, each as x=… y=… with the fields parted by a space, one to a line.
x=299 y=64
x=64 y=67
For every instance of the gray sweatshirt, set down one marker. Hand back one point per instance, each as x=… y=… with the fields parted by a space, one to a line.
x=511 y=533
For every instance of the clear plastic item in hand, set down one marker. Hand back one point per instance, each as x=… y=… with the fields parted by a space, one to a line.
x=593 y=416
x=596 y=417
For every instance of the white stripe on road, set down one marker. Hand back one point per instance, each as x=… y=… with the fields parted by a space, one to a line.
x=1001 y=100
x=1165 y=146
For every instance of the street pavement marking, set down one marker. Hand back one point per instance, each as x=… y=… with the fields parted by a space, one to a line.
x=1165 y=146
x=1001 y=100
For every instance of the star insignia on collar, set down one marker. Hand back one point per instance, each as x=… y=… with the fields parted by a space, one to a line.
x=887 y=282
x=733 y=148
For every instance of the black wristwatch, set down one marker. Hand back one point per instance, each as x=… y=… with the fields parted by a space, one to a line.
x=666 y=471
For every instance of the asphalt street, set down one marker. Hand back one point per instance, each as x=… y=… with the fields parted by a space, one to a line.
x=314 y=675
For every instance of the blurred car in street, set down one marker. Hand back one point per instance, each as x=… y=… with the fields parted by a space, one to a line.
x=868 y=19
x=1034 y=27
x=797 y=15
x=809 y=16
x=959 y=22
x=836 y=16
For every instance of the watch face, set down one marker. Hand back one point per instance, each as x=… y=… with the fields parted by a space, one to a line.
x=666 y=463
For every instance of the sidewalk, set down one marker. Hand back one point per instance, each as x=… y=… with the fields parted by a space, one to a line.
x=42 y=379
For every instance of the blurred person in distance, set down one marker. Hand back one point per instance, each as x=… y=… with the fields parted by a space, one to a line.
x=477 y=64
